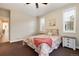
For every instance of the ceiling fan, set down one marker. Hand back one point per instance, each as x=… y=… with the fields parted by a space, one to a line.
x=37 y=4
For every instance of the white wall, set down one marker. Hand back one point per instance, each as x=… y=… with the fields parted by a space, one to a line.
x=21 y=25
x=4 y=13
x=57 y=15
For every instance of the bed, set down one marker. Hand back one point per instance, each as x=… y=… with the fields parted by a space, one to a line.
x=44 y=48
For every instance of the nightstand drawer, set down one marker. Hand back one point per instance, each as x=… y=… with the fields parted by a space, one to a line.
x=65 y=41
x=68 y=45
x=68 y=40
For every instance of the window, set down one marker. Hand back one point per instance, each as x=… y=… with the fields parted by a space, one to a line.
x=42 y=24
x=69 y=20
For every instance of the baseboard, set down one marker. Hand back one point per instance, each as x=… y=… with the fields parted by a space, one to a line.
x=16 y=40
x=77 y=47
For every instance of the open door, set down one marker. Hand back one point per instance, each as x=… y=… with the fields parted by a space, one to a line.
x=4 y=30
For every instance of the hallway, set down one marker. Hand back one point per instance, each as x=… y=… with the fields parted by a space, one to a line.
x=4 y=30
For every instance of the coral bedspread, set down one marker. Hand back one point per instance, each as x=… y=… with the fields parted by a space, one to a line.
x=38 y=41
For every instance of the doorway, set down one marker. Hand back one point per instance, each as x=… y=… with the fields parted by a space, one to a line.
x=4 y=30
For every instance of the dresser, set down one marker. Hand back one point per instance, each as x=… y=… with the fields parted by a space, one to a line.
x=69 y=42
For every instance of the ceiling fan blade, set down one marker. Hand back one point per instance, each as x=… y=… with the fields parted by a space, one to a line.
x=27 y=3
x=36 y=5
x=45 y=3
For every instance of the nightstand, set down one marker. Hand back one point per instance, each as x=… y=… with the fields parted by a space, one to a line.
x=69 y=42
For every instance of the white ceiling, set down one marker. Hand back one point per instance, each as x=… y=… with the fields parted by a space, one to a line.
x=31 y=8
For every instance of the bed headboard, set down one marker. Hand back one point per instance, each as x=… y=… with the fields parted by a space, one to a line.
x=53 y=31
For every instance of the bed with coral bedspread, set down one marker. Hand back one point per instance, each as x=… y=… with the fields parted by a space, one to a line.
x=43 y=44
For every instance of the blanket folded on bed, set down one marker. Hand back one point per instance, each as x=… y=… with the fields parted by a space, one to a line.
x=38 y=41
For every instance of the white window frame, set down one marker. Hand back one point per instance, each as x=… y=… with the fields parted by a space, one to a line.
x=42 y=29
x=74 y=31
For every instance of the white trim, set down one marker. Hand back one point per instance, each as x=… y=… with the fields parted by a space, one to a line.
x=77 y=47
x=16 y=40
